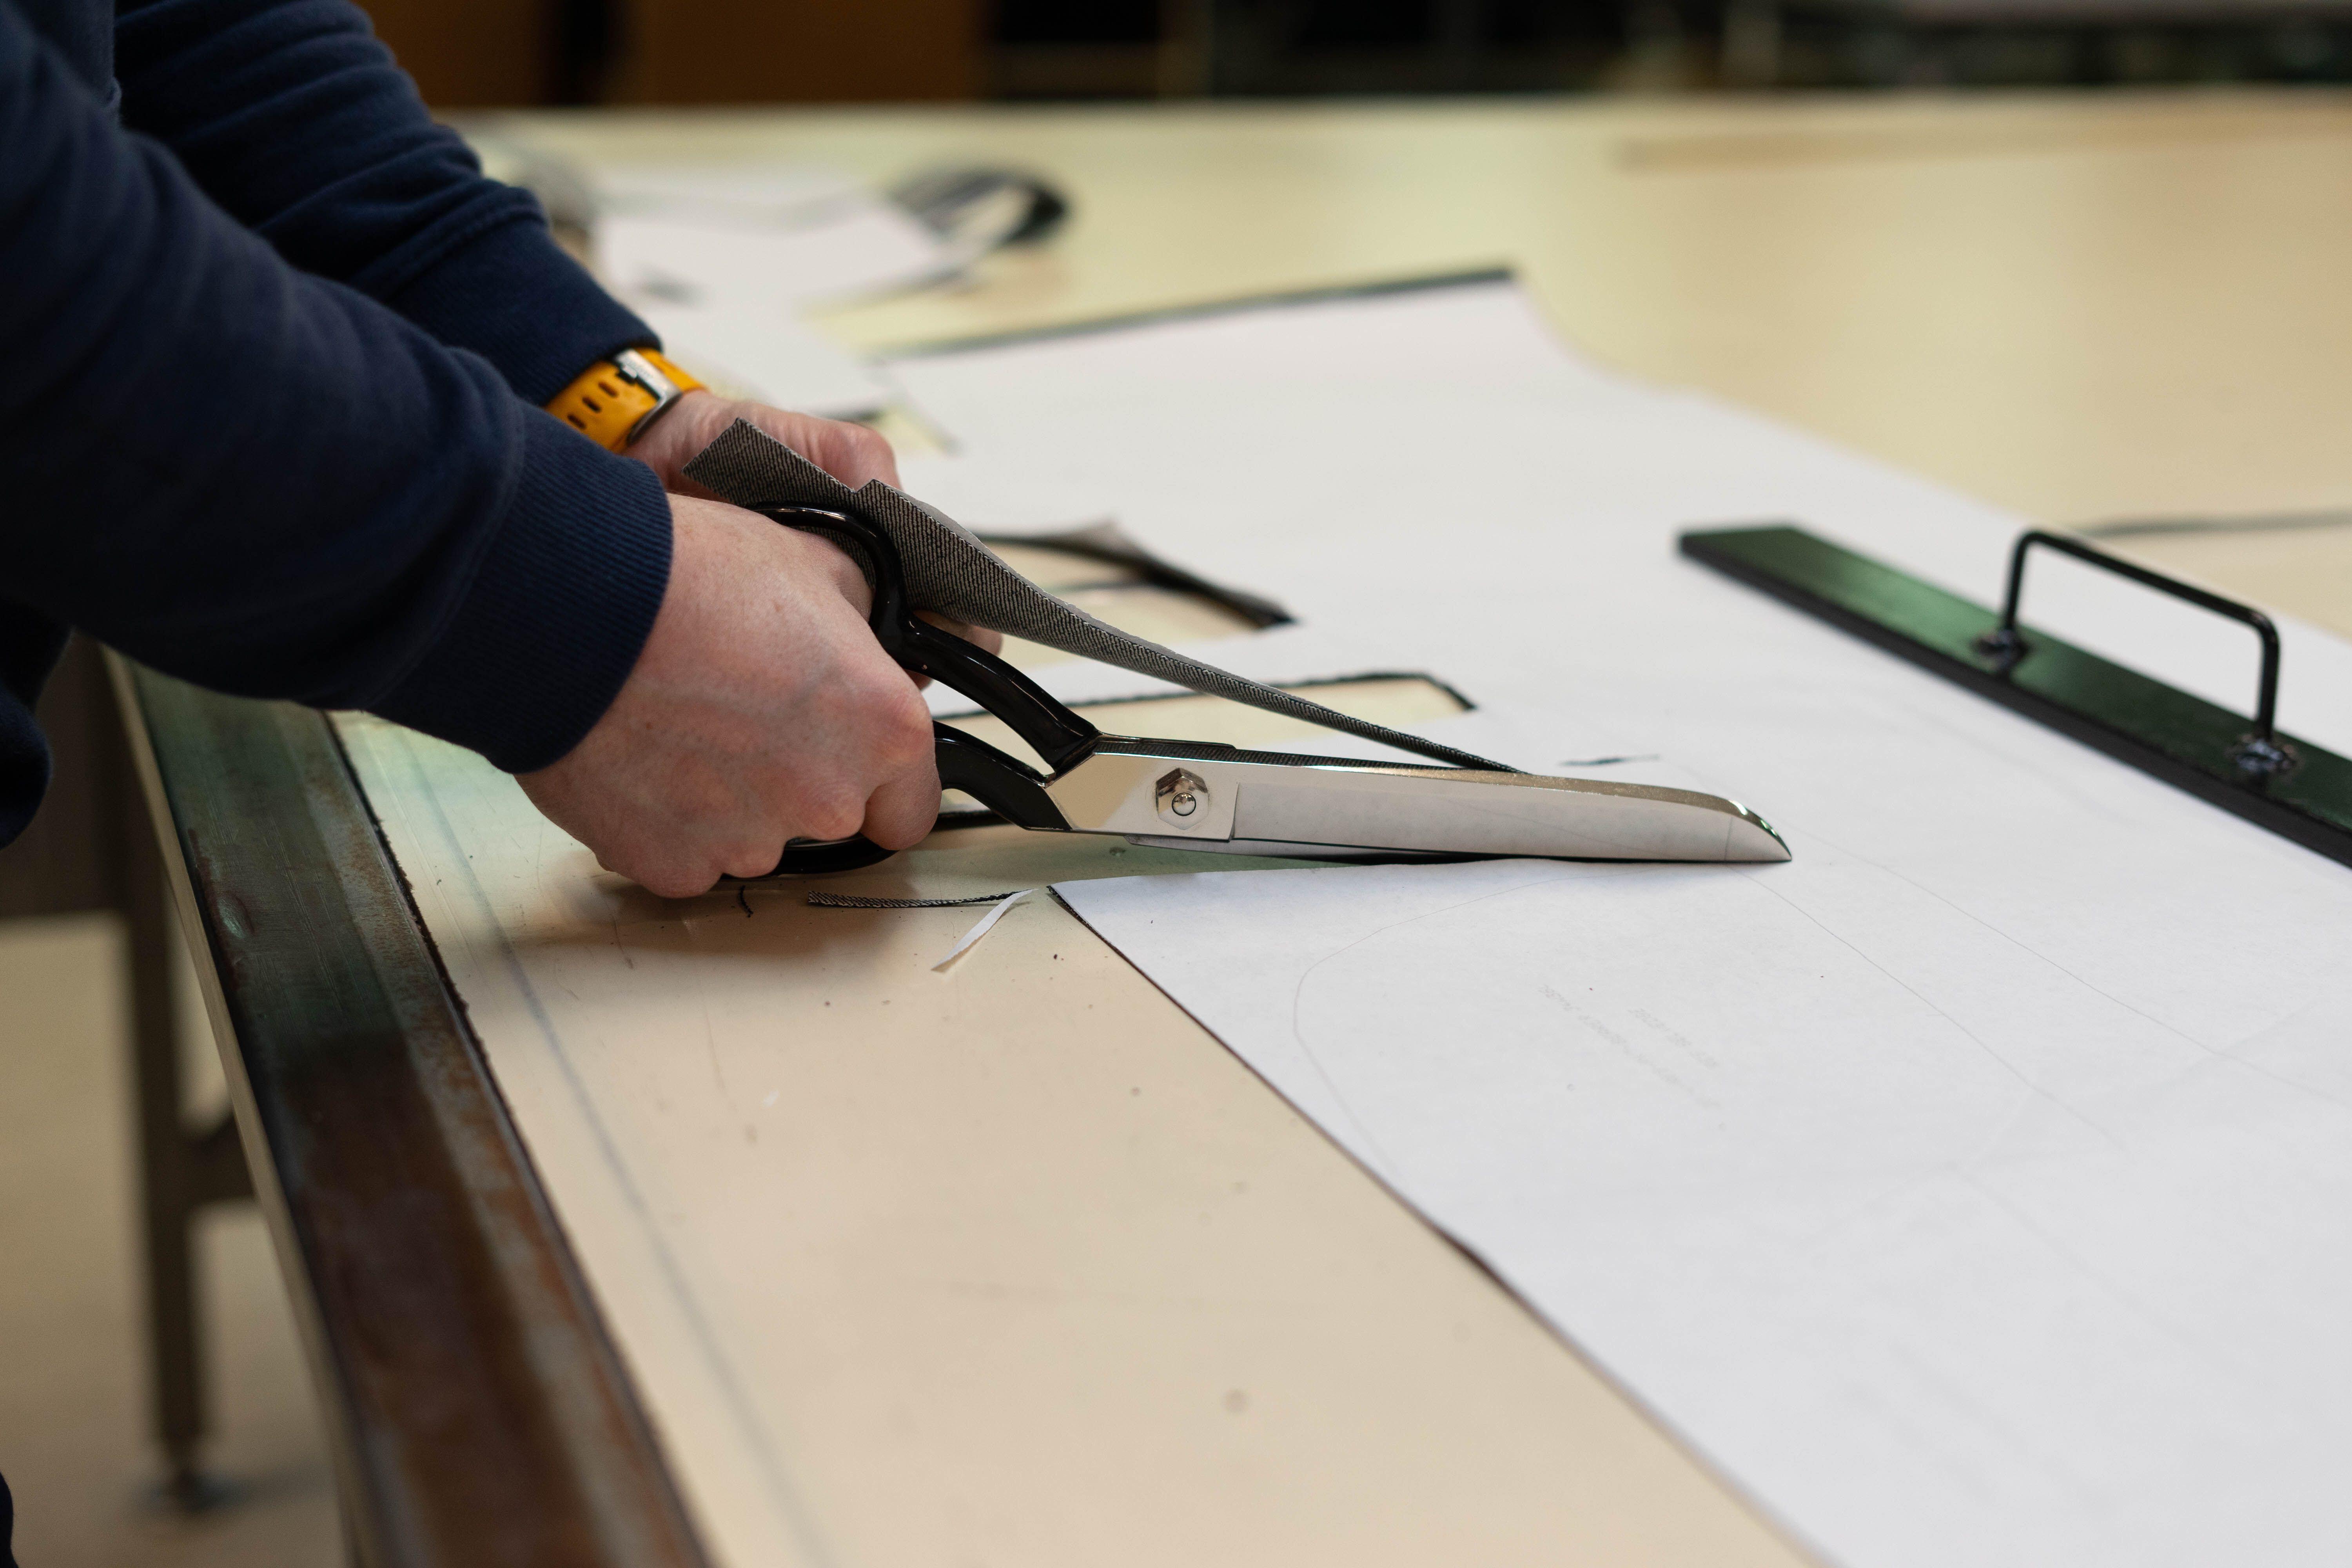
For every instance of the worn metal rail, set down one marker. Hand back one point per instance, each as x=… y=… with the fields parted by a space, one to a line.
x=477 y=1411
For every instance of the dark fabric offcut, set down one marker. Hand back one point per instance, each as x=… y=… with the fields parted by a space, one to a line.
x=950 y=571
x=859 y=901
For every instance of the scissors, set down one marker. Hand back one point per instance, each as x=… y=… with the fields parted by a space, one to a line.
x=1193 y=794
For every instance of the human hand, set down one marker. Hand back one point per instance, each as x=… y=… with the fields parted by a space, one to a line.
x=850 y=453
x=760 y=709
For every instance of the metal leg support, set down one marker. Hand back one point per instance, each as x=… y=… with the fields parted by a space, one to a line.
x=180 y=1170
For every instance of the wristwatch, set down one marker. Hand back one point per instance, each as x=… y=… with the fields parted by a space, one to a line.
x=615 y=400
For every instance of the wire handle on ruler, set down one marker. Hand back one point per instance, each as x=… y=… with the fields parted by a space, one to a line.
x=2259 y=754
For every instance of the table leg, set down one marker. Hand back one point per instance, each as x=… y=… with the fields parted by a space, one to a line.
x=179 y=1172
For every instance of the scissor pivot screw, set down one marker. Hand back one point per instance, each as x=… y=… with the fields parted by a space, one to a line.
x=1181 y=797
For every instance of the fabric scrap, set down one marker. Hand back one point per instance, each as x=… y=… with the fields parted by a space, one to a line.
x=949 y=571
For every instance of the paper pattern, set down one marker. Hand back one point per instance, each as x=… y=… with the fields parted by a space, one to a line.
x=1971 y=1189
x=1814 y=1254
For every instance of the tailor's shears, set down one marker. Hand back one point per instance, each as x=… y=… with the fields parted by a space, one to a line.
x=1189 y=794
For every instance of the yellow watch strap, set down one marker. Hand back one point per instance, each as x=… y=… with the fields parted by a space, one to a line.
x=615 y=399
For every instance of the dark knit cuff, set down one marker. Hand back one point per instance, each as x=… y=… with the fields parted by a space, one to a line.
x=514 y=297
x=558 y=609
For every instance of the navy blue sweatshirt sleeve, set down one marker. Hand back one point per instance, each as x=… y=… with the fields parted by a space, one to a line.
x=271 y=484
x=294 y=118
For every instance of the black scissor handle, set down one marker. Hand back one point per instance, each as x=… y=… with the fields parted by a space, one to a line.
x=1052 y=731
x=815 y=856
x=1001 y=783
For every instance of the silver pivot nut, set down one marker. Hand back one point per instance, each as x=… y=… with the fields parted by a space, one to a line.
x=1181 y=797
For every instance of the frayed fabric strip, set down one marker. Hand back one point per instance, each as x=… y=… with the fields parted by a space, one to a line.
x=859 y=901
x=951 y=571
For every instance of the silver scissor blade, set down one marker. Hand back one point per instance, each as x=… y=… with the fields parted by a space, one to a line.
x=1216 y=797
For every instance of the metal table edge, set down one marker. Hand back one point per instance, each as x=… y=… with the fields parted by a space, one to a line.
x=477 y=1410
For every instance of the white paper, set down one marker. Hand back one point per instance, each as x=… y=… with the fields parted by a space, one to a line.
x=1000 y=497
x=768 y=356
x=1993 y=1211
x=980 y=928
x=722 y=263
x=845 y=250
x=1429 y=473
x=739 y=193
x=1279 y=655
x=1972 y=1189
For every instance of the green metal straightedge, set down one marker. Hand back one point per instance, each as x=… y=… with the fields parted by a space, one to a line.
x=2182 y=739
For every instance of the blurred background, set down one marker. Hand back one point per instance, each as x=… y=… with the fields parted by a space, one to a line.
x=75 y=1415
x=486 y=53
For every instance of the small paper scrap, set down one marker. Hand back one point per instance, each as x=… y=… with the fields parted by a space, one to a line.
x=980 y=930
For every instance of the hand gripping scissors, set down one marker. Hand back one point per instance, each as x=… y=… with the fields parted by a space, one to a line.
x=1192 y=795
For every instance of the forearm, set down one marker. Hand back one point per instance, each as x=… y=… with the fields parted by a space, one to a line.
x=296 y=120
x=270 y=484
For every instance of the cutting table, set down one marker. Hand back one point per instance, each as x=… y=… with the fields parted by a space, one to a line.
x=2080 y=308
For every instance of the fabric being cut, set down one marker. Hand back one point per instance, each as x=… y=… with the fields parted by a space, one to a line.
x=949 y=571
x=860 y=901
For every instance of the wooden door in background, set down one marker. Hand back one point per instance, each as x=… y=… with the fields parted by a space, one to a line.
x=472 y=54
x=799 y=51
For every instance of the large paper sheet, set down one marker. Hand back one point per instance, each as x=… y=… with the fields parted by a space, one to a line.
x=1428 y=476
x=768 y=355
x=723 y=262
x=1969 y=1188
x=1429 y=472
x=855 y=245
